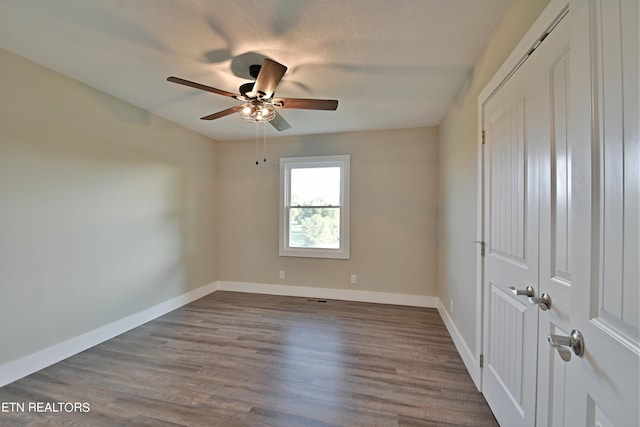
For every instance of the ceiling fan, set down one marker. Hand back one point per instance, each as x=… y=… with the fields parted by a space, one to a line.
x=258 y=104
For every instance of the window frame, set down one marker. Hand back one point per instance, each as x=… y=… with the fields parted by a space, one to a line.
x=286 y=165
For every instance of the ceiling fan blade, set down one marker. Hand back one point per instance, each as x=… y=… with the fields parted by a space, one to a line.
x=306 y=104
x=271 y=72
x=202 y=87
x=222 y=113
x=280 y=123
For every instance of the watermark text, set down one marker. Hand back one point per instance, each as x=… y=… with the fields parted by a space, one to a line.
x=44 y=407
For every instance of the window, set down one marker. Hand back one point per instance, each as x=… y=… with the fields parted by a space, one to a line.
x=314 y=207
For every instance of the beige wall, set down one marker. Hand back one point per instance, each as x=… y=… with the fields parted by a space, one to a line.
x=458 y=171
x=105 y=209
x=393 y=212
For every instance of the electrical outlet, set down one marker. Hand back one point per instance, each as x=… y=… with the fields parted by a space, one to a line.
x=281 y=274
x=354 y=279
x=451 y=305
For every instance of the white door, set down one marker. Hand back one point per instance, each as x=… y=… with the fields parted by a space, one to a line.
x=517 y=121
x=555 y=267
x=562 y=215
x=602 y=386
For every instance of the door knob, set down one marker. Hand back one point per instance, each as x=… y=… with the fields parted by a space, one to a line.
x=575 y=342
x=543 y=301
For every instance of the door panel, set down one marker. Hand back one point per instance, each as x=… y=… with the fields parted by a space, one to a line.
x=559 y=210
x=507 y=353
x=508 y=182
x=617 y=168
x=616 y=92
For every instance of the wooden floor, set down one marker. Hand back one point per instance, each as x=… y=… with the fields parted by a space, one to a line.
x=232 y=359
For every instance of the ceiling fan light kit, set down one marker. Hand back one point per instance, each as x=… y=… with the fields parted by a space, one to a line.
x=257 y=111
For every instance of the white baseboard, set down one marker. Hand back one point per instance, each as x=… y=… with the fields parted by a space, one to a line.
x=468 y=357
x=331 y=293
x=27 y=365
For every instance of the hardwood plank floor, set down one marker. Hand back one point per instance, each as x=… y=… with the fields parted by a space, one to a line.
x=233 y=359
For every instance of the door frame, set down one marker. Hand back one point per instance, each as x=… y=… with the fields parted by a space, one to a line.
x=549 y=17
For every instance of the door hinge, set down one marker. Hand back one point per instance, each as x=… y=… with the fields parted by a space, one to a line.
x=482 y=360
x=482 y=137
x=482 y=246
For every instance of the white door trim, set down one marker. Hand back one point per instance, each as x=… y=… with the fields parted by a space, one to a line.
x=545 y=22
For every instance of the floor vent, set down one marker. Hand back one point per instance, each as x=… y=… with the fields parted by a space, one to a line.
x=316 y=300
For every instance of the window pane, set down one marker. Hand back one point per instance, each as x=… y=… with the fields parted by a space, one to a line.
x=315 y=186
x=314 y=228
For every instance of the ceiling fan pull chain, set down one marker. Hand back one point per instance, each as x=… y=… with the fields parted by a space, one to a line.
x=257 y=146
x=265 y=142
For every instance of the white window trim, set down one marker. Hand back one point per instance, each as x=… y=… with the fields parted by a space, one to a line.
x=286 y=164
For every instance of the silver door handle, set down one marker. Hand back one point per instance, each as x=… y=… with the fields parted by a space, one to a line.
x=543 y=301
x=575 y=342
x=527 y=292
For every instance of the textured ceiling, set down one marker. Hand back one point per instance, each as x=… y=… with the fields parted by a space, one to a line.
x=390 y=63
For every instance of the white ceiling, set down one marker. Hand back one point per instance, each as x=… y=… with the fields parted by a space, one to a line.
x=390 y=63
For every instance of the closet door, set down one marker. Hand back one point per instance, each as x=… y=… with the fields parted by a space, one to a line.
x=511 y=237
x=602 y=386
x=518 y=121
